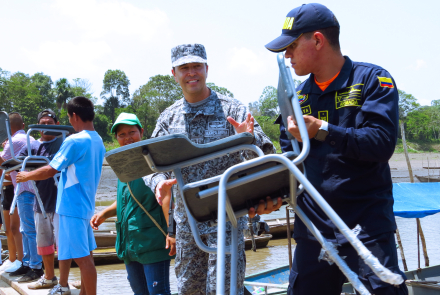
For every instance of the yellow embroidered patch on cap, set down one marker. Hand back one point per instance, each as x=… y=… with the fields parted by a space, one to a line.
x=288 y=23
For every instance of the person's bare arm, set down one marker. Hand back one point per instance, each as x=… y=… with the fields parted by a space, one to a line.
x=42 y=173
x=100 y=217
x=166 y=200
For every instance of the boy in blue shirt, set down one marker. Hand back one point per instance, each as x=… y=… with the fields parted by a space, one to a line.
x=80 y=161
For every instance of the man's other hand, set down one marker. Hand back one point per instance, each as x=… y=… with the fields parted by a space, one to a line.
x=245 y=126
x=312 y=125
x=22 y=176
x=265 y=207
x=171 y=244
x=163 y=189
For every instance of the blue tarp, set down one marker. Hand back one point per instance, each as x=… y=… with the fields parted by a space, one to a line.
x=416 y=200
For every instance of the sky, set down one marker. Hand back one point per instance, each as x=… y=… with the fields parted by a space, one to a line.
x=85 y=38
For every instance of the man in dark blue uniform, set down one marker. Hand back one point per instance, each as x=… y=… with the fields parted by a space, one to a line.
x=351 y=113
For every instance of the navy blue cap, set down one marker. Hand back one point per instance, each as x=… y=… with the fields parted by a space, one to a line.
x=303 y=19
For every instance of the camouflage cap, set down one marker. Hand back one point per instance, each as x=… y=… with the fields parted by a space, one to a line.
x=188 y=53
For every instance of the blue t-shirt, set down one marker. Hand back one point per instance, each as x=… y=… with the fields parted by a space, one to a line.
x=80 y=161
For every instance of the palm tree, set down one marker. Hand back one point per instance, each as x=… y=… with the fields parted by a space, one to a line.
x=63 y=93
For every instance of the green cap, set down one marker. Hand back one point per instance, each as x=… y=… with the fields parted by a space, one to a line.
x=126 y=118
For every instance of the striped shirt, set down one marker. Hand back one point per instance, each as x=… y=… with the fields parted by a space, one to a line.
x=18 y=143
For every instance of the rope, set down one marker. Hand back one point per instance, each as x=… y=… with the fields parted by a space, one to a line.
x=145 y=210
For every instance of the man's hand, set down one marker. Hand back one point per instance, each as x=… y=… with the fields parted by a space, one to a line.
x=266 y=207
x=245 y=126
x=97 y=220
x=163 y=189
x=22 y=176
x=312 y=125
x=171 y=243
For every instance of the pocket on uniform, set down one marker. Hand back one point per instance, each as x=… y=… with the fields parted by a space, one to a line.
x=381 y=287
x=292 y=279
x=142 y=220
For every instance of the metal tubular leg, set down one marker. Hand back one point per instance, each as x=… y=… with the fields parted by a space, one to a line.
x=221 y=239
x=14 y=201
x=192 y=222
x=1 y=207
x=234 y=260
x=37 y=195
x=331 y=250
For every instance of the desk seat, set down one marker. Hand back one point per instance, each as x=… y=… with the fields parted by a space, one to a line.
x=265 y=180
x=31 y=164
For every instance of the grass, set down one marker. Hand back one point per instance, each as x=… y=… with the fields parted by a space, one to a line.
x=418 y=147
x=111 y=145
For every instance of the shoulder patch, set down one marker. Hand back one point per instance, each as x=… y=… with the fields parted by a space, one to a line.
x=385 y=82
x=302 y=97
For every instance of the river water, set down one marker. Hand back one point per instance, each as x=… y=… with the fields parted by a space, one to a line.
x=112 y=279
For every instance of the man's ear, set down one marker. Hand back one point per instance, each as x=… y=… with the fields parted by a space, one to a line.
x=207 y=70
x=142 y=132
x=319 y=38
x=58 y=123
x=174 y=75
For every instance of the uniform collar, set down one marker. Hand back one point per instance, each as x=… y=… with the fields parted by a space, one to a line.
x=340 y=82
x=206 y=109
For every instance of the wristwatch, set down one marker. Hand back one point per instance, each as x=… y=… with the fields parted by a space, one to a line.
x=322 y=131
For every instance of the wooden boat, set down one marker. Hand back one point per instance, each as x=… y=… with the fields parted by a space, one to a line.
x=278 y=227
x=428 y=179
x=102 y=256
x=261 y=241
x=276 y=280
x=107 y=239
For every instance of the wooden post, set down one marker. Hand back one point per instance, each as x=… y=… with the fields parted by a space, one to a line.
x=289 y=242
x=399 y=242
x=418 y=246
x=402 y=129
x=422 y=238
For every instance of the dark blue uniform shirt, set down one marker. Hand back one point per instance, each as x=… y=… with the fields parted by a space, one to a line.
x=350 y=168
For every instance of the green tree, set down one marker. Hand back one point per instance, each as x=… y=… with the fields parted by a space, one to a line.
x=268 y=102
x=44 y=84
x=63 y=93
x=82 y=87
x=24 y=96
x=221 y=90
x=151 y=99
x=407 y=104
x=115 y=92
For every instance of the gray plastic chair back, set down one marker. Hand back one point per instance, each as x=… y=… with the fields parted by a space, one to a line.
x=286 y=91
x=3 y=126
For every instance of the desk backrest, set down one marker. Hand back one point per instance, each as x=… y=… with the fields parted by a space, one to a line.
x=3 y=126
x=286 y=91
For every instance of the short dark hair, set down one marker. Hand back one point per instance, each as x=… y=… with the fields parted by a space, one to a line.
x=16 y=121
x=83 y=107
x=330 y=33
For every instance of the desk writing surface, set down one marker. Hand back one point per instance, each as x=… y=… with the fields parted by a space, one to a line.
x=129 y=163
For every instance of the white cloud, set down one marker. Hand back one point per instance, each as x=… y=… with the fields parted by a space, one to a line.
x=248 y=61
x=98 y=19
x=420 y=63
x=59 y=57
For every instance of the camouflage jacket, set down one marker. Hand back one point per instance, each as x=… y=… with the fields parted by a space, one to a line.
x=202 y=124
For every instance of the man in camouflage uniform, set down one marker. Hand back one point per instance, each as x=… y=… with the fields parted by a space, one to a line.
x=204 y=116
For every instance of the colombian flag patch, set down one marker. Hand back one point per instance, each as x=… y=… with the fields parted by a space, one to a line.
x=385 y=82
